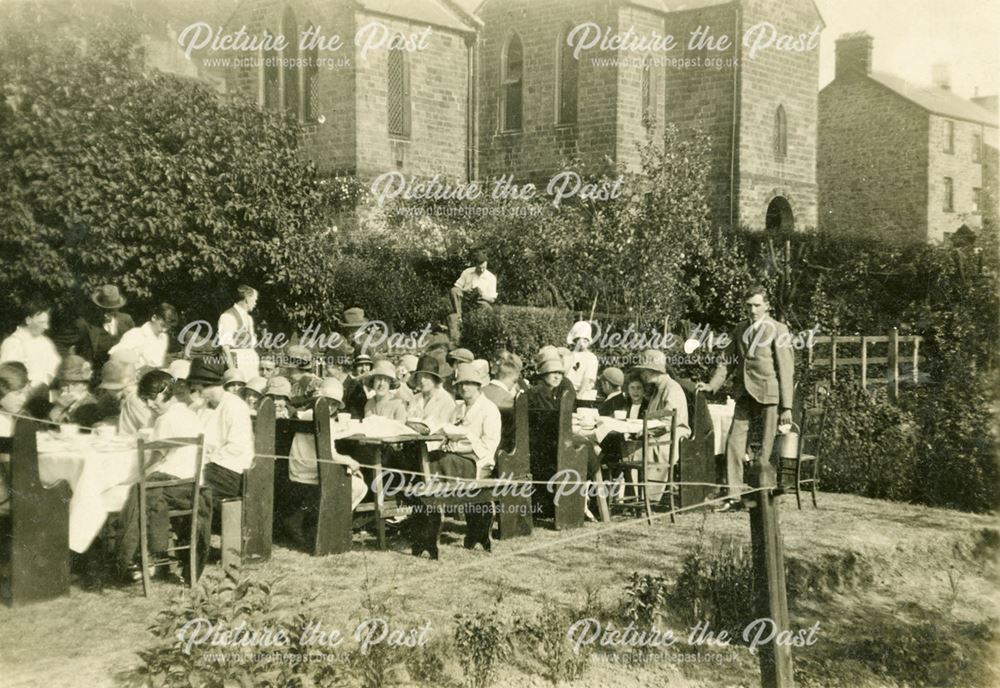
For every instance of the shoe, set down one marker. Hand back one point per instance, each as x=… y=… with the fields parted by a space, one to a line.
x=589 y=515
x=433 y=551
x=416 y=550
x=469 y=542
x=487 y=545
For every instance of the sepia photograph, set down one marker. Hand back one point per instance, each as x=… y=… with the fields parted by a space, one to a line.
x=486 y=343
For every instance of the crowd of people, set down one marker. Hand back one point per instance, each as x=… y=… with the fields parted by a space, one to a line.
x=118 y=374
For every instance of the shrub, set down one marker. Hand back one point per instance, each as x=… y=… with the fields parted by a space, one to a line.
x=483 y=641
x=521 y=330
x=645 y=598
x=545 y=640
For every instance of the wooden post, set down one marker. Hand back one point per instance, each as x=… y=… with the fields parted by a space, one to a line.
x=769 y=575
x=833 y=359
x=916 y=360
x=894 y=364
x=864 y=362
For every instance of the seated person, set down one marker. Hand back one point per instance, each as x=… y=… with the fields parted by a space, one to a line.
x=13 y=397
x=253 y=392
x=472 y=456
x=73 y=402
x=234 y=380
x=303 y=382
x=303 y=470
x=382 y=380
x=356 y=393
x=633 y=405
x=431 y=403
x=171 y=419
x=148 y=344
x=405 y=368
x=610 y=385
x=500 y=391
x=279 y=389
x=117 y=381
x=228 y=429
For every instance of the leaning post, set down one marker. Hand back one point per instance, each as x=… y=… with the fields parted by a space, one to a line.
x=769 y=574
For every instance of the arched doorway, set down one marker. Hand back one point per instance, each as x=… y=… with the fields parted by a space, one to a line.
x=779 y=215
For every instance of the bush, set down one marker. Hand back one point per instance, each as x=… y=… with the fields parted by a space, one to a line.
x=545 y=640
x=483 y=642
x=521 y=330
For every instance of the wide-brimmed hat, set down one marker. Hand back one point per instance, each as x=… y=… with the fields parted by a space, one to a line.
x=461 y=356
x=233 y=375
x=206 y=371
x=299 y=356
x=549 y=364
x=331 y=388
x=384 y=368
x=257 y=384
x=581 y=330
x=613 y=375
x=116 y=375
x=75 y=369
x=468 y=372
x=652 y=359
x=279 y=386
x=108 y=297
x=353 y=317
x=428 y=365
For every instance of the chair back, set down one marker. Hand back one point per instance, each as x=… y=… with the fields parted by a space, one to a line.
x=696 y=454
x=811 y=427
x=258 y=488
x=515 y=514
x=334 y=520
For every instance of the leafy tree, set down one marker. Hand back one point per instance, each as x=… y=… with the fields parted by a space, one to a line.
x=109 y=173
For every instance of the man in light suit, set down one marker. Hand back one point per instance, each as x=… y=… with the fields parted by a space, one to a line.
x=761 y=352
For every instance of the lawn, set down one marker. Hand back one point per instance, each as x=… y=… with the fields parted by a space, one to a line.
x=904 y=595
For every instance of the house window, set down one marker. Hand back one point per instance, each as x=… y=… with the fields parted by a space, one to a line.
x=647 y=89
x=511 y=84
x=949 y=136
x=780 y=133
x=310 y=83
x=949 y=195
x=567 y=78
x=398 y=101
x=289 y=68
x=271 y=99
x=977 y=148
x=977 y=200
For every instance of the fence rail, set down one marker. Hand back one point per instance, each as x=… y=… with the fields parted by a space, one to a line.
x=892 y=340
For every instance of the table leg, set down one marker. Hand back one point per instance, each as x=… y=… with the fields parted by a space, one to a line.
x=379 y=498
x=602 y=499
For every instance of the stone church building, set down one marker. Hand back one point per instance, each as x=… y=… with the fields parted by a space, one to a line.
x=494 y=88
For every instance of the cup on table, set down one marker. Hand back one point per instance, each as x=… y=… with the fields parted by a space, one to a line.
x=621 y=415
x=69 y=429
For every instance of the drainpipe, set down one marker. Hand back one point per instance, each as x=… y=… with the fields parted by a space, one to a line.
x=733 y=144
x=470 y=119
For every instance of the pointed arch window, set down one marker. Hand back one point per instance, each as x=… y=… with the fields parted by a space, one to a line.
x=398 y=101
x=567 y=79
x=271 y=98
x=511 y=84
x=309 y=81
x=780 y=133
x=290 y=68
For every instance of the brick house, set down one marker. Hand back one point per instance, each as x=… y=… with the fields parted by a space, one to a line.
x=366 y=112
x=539 y=106
x=907 y=161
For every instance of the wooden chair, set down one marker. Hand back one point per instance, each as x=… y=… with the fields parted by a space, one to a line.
x=145 y=448
x=39 y=525
x=697 y=455
x=560 y=455
x=803 y=468
x=651 y=438
x=334 y=516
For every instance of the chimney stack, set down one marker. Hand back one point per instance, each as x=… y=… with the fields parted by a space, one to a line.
x=854 y=54
x=941 y=75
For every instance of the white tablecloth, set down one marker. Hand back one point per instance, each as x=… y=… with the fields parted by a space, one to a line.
x=722 y=419
x=99 y=472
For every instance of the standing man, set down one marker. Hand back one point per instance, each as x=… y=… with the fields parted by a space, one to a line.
x=236 y=333
x=98 y=335
x=476 y=284
x=765 y=364
x=29 y=345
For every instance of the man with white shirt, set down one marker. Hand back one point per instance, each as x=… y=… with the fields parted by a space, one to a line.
x=228 y=430
x=476 y=284
x=148 y=344
x=29 y=345
x=236 y=332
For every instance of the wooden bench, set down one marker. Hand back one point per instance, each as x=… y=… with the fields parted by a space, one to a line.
x=39 y=526
x=555 y=455
x=697 y=456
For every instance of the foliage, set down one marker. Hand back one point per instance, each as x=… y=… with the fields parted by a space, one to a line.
x=645 y=598
x=109 y=173
x=545 y=640
x=716 y=586
x=483 y=642
x=521 y=330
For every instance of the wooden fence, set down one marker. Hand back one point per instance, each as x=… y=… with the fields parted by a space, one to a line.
x=891 y=359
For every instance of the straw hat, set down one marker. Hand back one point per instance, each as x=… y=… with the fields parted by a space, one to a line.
x=108 y=297
x=353 y=317
x=234 y=375
x=179 y=368
x=384 y=368
x=331 y=388
x=116 y=375
x=75 y=369
x=467 y=372
x=483 y=366
x=279 y=386
x=652 y=359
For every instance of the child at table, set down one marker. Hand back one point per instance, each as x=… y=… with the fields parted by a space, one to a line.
x=13 y=396
x=303 y=470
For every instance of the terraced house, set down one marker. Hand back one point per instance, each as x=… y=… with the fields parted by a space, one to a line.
x=504 y=87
